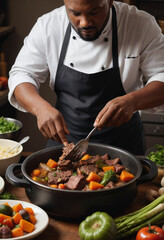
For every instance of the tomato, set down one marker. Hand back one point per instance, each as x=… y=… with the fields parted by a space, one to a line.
x=150 y=233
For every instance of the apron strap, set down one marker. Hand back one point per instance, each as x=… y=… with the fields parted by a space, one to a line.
x=114 y=38
x=65 y=44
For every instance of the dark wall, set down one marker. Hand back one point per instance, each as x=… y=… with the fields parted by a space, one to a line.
x=22 y=14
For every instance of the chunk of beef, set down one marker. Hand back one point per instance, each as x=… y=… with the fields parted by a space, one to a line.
x=105 y=156
x=76 y=182
x=65 y=165
x=91 y=160
x=86 y=169
x=110 y=185
x=112 y=162
x=119 y=168
x=66 y=150
x=56 y=177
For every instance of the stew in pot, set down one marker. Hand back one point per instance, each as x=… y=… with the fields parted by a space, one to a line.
x=89 y=173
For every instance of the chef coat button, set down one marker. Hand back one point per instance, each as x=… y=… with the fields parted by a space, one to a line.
x=71 y=64
x=102 y=68
x=74 y=37
x=106 y=39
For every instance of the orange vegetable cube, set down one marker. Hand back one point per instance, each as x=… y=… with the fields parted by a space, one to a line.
x=95 y=185
x=54 y=186
x=36 y=172
x=32 y=219
x=86 y=156
x=61 y=186
x=16 y=218
x=3 y=217
x=26 y=226
x=93 y=177
x=51 y=163
x=17 y=232
x=29 y=210
x=16 y=208
x=8 y=222
x=108 y=168
x=126 y=176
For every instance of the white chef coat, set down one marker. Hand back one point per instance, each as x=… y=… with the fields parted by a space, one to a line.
x=140 y=43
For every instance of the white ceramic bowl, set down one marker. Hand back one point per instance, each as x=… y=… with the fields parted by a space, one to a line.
x=5 y=161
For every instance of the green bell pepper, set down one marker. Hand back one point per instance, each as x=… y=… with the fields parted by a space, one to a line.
x=98 y=226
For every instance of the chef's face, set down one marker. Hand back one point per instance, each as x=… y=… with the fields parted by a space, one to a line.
x=88 y=17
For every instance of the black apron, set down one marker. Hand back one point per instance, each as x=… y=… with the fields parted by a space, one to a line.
x=81 y=96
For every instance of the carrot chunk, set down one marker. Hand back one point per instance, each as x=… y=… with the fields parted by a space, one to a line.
x=61 y=186
x=16 y=208
x=54 y=186
x=29 y=210
x=32 y=219
x=95 y=185
x=51 y=163
x=93 y=177
x=126 y=176
x=16 y=218
x=8 y=222
x=3 y=217
x=86 y=156
x=36 y=172
x=108 y=168
x=17 y=232
x=26 y=226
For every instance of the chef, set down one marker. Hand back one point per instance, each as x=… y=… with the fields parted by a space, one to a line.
x=97 y=54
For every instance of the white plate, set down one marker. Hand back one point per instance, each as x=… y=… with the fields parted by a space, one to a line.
x=2 y=185
x=41 y=219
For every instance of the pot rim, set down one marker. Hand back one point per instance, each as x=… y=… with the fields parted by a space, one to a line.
x=42 y=151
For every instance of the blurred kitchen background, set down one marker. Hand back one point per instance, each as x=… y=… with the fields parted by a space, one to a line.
x=16 y=20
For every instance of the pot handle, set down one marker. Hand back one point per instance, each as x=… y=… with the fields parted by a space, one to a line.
x=11 y=178
x=151 y=174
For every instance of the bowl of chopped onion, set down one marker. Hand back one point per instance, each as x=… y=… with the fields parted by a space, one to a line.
x=11 y=157
x=10 y=128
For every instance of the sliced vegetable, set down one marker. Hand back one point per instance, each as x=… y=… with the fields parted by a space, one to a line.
x=6 y=126
x=61 y=186
x=98 y=226
x=95 y=185
x=26 y=226
x=126 y=176
x=100 y=164
x=151 y=233
x=36 y=172
x=5 y=209
x=157 y=155
x=17 y=207
x=17 y=232
x=16 y=218
x=3 y=217
x=108 y=168
x=8 y=222
x=109 y=176
x=93 y=177
x=7 y=195
x=52 y=163
x=86 y=156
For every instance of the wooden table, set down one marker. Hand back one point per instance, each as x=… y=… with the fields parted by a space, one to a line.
x=65 y=230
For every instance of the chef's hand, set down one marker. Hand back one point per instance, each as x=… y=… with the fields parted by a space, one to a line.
x=116 y=112
x=52 y=125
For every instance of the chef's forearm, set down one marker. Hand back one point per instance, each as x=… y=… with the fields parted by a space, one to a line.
x=27 y=96
x=150 y=96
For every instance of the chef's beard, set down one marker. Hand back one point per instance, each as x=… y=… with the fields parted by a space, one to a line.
x=97 y=32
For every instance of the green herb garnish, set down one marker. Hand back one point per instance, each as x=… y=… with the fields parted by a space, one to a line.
x=157 y=156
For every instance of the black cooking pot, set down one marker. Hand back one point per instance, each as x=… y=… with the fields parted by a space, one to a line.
x=75 y=204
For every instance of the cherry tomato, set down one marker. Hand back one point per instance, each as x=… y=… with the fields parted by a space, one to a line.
x=150 y=233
